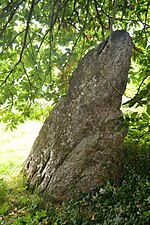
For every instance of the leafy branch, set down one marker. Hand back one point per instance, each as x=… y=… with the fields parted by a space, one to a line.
x=24 y=42
x=138 y=96
x=10 y=43
x=27 y=29
x=12 y=14
x=44 y=26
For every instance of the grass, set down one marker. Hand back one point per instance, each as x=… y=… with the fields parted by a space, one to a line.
x=125 y=204
x=15 y=147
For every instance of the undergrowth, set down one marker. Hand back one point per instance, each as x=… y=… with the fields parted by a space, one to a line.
x=127 y=203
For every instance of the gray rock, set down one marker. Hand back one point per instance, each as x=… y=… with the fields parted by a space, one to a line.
x=77 y=147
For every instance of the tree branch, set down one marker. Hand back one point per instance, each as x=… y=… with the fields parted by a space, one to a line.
x=134 y=99
x=30 y=85
x=12 y=41
x=100 y=21
x=43 y=38
x=24 y=43
x=12 y=13
x=113 y=16
x=27 y=29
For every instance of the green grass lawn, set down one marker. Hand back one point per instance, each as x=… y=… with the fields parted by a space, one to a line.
x=15 y=146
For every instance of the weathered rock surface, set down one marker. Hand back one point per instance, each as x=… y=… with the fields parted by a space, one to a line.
x=77 y=146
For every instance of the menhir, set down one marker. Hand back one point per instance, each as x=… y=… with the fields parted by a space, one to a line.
x=77 y=147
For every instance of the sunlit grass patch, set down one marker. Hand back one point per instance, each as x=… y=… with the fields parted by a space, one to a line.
x=15 y=146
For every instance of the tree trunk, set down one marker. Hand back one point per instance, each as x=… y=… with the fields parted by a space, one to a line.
x=77 y=147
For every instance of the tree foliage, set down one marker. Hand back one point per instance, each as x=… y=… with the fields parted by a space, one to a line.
x=42 y=41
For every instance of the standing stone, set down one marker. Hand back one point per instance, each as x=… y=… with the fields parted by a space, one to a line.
x=77 y=146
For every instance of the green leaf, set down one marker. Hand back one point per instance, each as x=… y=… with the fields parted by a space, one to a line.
x=148 y=109
x=146 y=116
x=134 y=115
